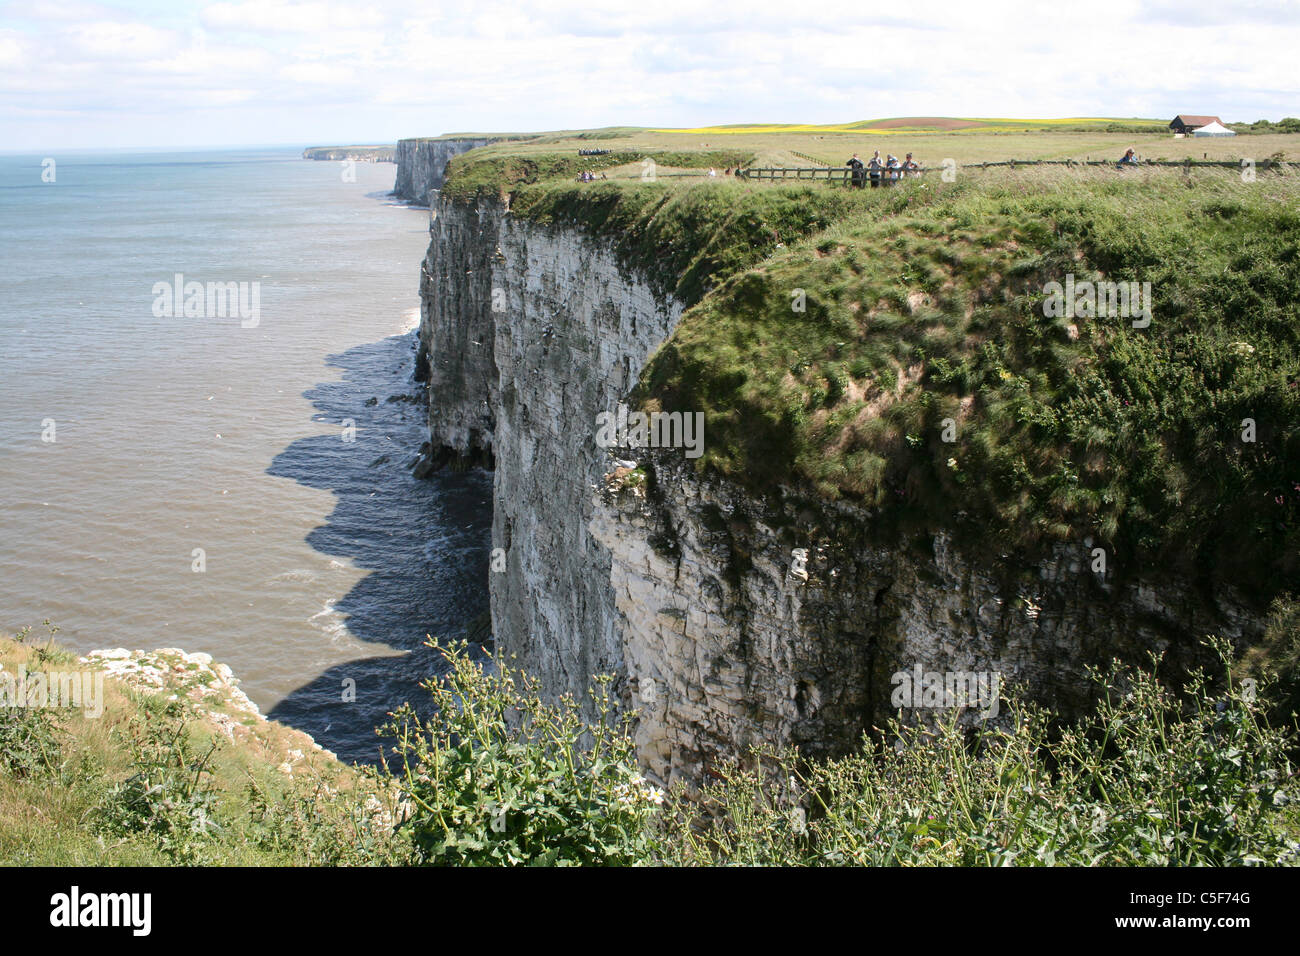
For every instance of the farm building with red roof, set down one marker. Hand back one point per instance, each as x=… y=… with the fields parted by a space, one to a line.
x=1183 y=123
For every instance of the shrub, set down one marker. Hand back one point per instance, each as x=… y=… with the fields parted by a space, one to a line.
x=30 y=742
x=500 y=777
x=319 y=825
x=30 y=737
x=168 y=796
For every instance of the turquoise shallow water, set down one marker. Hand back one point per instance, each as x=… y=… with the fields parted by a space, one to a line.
x=324 y=561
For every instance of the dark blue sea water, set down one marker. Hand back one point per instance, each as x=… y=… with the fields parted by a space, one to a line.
x=220 y=439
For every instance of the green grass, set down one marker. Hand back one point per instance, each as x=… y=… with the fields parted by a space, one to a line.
x=789 y=145
x=153 y=782
x=490 y=173
x=685 y=240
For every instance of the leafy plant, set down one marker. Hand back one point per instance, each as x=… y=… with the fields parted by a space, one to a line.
x=168 y=795
x=500 y=777
x=323 y=826
x=30 y=741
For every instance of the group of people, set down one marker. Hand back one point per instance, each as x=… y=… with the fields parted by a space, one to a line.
x=587 y=176
x=876 y=170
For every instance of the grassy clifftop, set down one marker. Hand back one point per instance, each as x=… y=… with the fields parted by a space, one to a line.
x=687 y=239
x=903 y=358
x=891 y=347
x=500 y=171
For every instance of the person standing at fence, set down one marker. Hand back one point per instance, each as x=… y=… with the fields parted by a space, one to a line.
x=874 y=169
x=856 y=172
x=911 y=166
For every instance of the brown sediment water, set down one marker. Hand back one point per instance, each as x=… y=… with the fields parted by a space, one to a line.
x=231 y=483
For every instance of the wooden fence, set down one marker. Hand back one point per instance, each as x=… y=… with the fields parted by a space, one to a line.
x=1182 y=163
x=835 y=174
x=842 y=174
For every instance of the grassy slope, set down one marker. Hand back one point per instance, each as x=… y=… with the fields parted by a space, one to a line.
x=50 y=817
x=687 y=239
x=1154 y=779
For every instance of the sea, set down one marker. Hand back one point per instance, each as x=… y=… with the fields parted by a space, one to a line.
x=208 y=419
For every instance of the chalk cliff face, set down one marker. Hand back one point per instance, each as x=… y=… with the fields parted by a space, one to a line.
x=421 y=164
x=359 y=154
x=698 y=596
x=747 y=622
x=526 y=335
x=457 y=352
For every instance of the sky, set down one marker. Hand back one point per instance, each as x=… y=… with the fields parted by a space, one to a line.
x=180 y=73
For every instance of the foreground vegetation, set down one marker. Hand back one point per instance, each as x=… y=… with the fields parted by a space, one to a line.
x=1202 y=775
x=1152 y=779
x=155 y=781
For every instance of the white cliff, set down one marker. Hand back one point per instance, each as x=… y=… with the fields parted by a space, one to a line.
x=526 y=335
x=728 y=620
x=422 y=165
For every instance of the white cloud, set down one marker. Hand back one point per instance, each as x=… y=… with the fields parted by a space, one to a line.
x=1215 y=12
x=11 y=50
x=223 y=97
x=107 y=40
x=318 y=73
x=261 y=15
x=27 y=10
x=320 y=70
